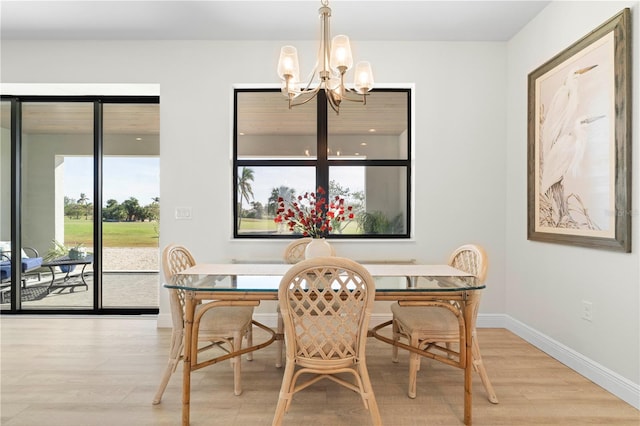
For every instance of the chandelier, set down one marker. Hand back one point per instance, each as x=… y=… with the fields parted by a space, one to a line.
x=334 y=60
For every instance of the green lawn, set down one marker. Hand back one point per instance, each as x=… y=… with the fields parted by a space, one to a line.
x=114 y=234
x=145 y=234
x=269 y=226
x=257 y=225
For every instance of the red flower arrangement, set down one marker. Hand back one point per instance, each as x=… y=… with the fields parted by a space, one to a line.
x=311 y=215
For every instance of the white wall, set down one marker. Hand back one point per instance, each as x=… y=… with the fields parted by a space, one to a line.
x=546 y=283
x=459 y=135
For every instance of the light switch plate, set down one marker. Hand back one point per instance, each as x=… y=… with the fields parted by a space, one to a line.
x=183 y=213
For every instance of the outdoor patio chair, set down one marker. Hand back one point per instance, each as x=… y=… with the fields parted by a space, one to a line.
x=220 y=327
x=30 y=263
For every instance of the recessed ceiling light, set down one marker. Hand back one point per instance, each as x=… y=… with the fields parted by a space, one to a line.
x=241 y=133
x=363 y=144
x=357 y=153
x=138 y=139
x=372 y=130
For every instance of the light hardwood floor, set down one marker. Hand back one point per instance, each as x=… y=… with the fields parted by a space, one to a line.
x=104 y=371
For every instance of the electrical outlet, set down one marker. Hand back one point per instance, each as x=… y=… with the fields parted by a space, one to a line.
x=587 y=311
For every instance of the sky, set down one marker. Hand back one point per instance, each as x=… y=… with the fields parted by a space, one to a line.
x=267 y=178
x=124 y=177
x=139 y=177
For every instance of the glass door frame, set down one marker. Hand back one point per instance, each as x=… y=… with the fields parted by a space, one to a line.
x=16 y=203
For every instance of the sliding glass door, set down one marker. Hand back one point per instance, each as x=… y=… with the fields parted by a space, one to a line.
x=80 y=200
x=131 y=205
x=54 y=134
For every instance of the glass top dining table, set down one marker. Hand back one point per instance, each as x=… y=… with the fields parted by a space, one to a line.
x=245 y=283
x=260 y=281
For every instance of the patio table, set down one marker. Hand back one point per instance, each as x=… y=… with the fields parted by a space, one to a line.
x=67 y=263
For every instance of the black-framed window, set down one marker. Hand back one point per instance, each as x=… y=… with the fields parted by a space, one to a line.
x=362 y=154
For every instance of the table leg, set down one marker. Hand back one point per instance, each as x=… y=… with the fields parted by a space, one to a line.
x=469 y=325
x=67 y=277
x=53 y=278
x=190 y=308
x=82 y=276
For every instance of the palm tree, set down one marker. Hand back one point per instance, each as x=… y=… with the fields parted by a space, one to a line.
x=84 y=201
x=285 y=192
x=245 y=190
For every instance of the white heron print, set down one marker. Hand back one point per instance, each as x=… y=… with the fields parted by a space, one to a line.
x=574 y=116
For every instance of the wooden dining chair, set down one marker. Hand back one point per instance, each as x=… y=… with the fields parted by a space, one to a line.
x=221 y=327
x=426 y=326
x=326 y=305
x=293 y=253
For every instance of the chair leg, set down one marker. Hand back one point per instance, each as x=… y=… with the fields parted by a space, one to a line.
x=369 y=396
x=479 y=367
x=237 y=345
x=175 y=352
x=285 y=394
x=250 y=341
x=449 y=346
x=396 y=338
x=280 y=341
x=414 y=366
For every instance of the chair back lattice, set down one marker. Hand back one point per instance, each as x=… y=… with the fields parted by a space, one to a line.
x=176 y=258
x=294 y=252
x=470 y=258
x=326 y=305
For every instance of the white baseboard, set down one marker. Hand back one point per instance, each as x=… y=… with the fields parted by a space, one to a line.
x=164 y=321
x=491 y=321
x=609 y=380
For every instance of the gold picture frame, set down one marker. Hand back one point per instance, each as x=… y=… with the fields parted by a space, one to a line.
x=579 y=142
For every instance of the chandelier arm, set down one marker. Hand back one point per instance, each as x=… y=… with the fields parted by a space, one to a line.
x=335 y=108
x=349 y=97
x=332 y=103
x=307 y=91
x=343 y=89
x=302 y=102
x=310 y=81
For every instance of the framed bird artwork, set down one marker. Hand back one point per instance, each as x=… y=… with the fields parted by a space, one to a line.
x=579 y=142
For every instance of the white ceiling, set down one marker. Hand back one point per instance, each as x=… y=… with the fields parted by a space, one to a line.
x=260 y=20
x=264 y=20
